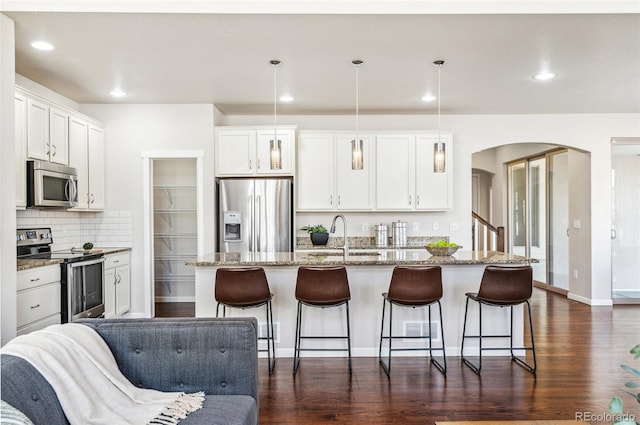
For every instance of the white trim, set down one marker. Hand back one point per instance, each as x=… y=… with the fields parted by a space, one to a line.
x=170 y=299
x=327 y=6
x=147 y=189
x=590 y=301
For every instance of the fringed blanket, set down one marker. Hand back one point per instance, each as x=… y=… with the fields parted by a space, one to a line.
x=88 y=383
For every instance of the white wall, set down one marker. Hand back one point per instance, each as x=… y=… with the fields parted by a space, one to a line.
x=131 y=129
x=472 y=133
x=8 y=178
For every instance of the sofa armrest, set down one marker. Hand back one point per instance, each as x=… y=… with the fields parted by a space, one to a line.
x=217 y=356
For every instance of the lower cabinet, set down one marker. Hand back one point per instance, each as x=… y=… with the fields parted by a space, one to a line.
x=38 y=301
x=117 y=284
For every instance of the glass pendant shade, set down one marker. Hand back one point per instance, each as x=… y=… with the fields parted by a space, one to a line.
x=439 y=154
x=275 y=154
x=357 y=157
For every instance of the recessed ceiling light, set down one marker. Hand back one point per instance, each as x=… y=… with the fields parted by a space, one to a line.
x=286 y=98
x=545 y=75
x=42 y=45
x=428 y=97
x=117 y=93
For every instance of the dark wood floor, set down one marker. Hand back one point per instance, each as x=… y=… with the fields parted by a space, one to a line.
x=579 y=349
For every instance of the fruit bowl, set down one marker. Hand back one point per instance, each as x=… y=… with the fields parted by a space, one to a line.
x=442 y=251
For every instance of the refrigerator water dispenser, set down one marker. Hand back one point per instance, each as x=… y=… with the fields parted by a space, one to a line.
x=232 y=226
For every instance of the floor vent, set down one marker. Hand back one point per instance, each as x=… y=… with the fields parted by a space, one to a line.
x=262 y=330
x=421 y=329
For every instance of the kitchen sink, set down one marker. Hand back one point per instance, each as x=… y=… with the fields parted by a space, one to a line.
x=337 y=253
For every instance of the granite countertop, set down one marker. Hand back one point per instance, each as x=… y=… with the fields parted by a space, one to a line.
x=25 y=264
x=396 y=257
x=366 y=242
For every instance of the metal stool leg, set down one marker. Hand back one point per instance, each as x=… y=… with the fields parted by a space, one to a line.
x=386 y=366
x=442 y=367
x=296 y=351
x=530 y=368
x=271 y=345
x=466 y=361
x=349 y=338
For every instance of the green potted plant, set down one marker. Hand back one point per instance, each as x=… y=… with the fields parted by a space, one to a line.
x=615 y=406
x=318 y=234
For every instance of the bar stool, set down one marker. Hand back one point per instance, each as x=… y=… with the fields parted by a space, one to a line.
x=502 y=287
x=321 y=287
x=247 y=287
x=413 y=287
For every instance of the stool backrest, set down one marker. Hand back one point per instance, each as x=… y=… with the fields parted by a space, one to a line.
x=415 y=285
x=506 y=285
x=241 y=286
x=322 y=285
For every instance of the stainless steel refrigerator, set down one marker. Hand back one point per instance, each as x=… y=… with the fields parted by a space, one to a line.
x=255 y=215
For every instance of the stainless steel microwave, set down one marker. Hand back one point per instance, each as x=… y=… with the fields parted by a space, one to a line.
x=51 y=185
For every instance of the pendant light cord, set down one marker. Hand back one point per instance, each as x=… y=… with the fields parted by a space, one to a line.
x=275 y=103
x=439 y=139
x=357 y=105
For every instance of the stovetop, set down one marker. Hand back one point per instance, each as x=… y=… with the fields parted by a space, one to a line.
x=35 y=244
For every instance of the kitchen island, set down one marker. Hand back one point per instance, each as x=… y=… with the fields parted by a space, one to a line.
x=369 y=273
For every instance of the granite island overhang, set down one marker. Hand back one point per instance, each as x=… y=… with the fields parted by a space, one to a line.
x=369 y=274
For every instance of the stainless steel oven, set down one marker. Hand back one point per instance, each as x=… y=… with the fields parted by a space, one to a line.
x=82 y=273
x=84 y=281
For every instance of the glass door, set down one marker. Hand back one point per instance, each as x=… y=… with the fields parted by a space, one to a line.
x=538 y=215
x=625 y=221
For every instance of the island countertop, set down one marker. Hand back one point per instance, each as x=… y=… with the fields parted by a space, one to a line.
x=355 y=258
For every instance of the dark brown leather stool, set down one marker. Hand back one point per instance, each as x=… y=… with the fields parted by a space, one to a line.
x=502 y=287
x=321 y=287
x=247 y=287
x=413 y=287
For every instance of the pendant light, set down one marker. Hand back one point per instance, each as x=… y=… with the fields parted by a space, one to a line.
x=357 y=151
x=275 y=144
x=439 y=148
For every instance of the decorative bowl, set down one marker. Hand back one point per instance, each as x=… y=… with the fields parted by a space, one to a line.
x=442 y=251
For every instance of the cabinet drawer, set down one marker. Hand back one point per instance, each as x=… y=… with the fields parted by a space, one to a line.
x=36 y=277
x=35 y=304
x=40 y=324
x=116 y=260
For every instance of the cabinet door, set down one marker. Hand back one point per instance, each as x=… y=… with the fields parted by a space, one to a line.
x=433 y=190
x=58 y=136
x=123 y=289
x=234 y=151
x=263 y=152
x=354 y=188
x=96 y=167
x=395 y=172
x=37 y=130
x=109 y=292
x=21 y=150
x=78 y=157
x=315 y=172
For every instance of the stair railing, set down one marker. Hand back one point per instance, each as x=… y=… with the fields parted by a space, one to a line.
x=486 y=237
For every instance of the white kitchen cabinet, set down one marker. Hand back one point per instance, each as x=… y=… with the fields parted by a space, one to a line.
x=315 y=175
x=395 y=184
x=325 y=179
x=245 y=151
x=434 y=191
x=47 y=132
x=404 y=173
x=38 y=302
x=20 y=103
x=86 y=155
x=117 y=284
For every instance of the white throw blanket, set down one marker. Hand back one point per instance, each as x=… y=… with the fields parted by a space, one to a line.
x=88 y=383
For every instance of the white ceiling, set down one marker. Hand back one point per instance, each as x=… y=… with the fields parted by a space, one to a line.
x=224 y=59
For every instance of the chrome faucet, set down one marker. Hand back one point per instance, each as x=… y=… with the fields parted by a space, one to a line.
x=345 y=247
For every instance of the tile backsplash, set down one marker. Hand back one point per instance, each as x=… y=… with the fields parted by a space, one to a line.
x=72 y=229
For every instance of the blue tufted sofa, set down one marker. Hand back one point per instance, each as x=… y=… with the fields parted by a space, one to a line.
x=217 y=356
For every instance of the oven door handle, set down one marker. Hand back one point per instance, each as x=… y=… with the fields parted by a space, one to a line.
x=86 y=263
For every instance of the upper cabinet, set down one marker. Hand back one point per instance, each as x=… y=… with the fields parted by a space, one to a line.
x=47 y=132
x=21 y=150
x=247 y=151
x=405 y=177
x=86 y=155
x=325 y=178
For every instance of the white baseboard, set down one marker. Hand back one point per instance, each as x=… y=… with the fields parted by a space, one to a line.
x=590 y=301
x=166 y=299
